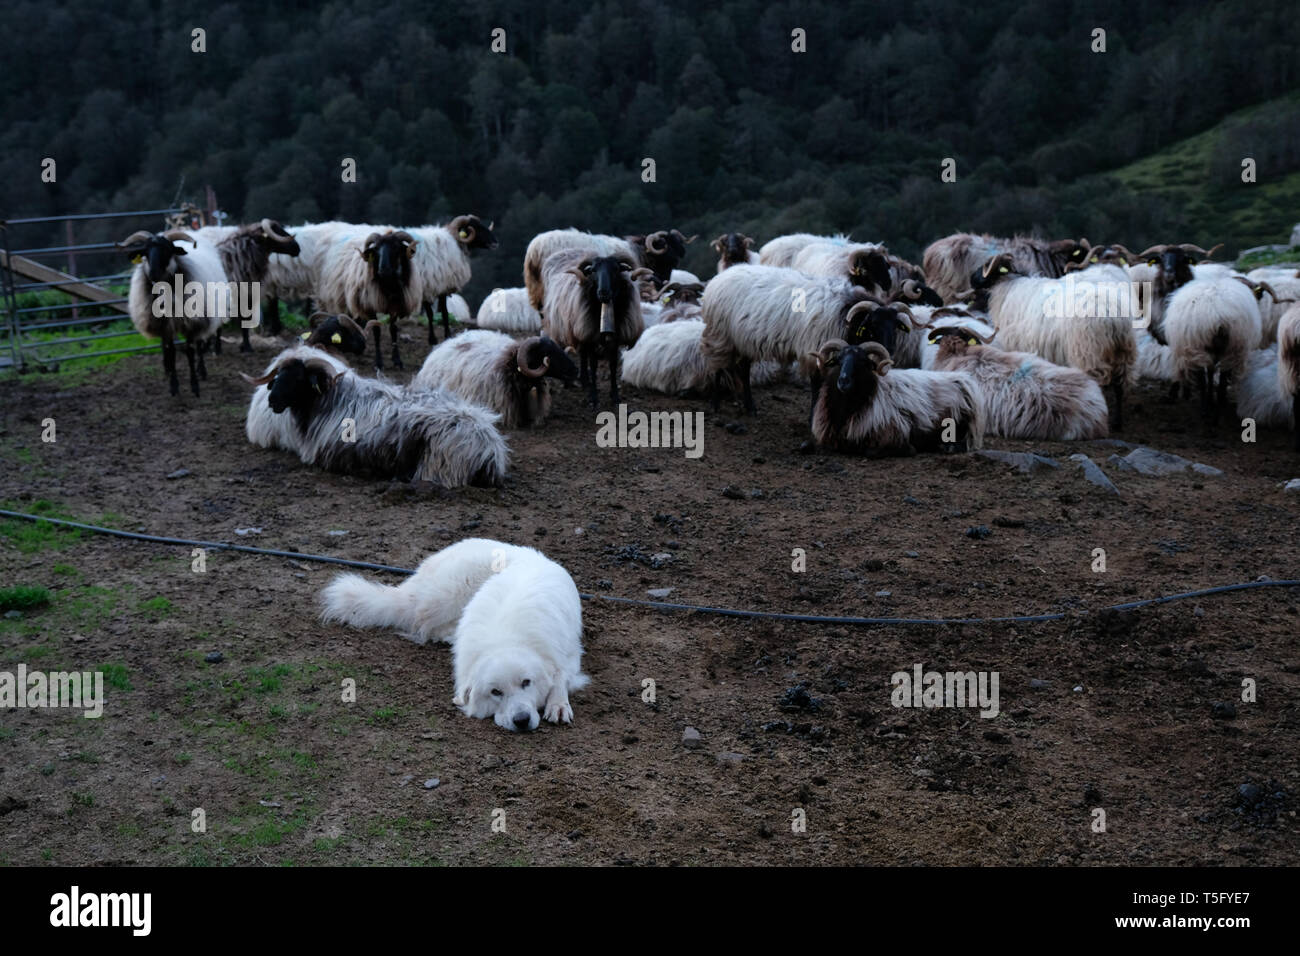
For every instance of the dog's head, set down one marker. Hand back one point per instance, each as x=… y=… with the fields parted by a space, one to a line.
x=510 y=686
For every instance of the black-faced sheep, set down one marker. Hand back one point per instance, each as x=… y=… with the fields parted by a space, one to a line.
x=179 y=292
x=733 y=249
x=949 y=262
x=546 y=244
x=371 y=275
x=862 y=406
x=246 y=256
x=336 y=334
x=442 y=260
x=498 y=372
x=592 y=305
x=316 y=406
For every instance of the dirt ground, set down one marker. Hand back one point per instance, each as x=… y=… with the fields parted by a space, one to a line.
x=1112 y=712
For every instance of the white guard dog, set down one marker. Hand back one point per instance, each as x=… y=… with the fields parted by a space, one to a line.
x=512 y=616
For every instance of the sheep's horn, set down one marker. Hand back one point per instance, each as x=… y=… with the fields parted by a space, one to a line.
x=260 y=380
x=949 y=310
x=881 y=354
x=988 y=266
x=1264 y=286
x=718 y=243
x=1153 y=251
x=1127 y=254
x=142 y=235
x=636 y=275
x=276 y=232
x=1192 y=247
x=521 y=360
x=1213 y=250
x=179 y=235
x=1085 y=243
x=911 y=289
x=403 y=236
x=372 y=240
x=657 y=243
x=348 y=321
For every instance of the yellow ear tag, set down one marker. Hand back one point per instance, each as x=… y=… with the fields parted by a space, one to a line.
x=336 y=339
x=136 y=260
x=1002 y=269
x=972 y=341
x=1151 y=262
x=463 y=234
x=305 y=336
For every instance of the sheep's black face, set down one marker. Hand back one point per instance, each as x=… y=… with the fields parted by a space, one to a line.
x=158 y=255
x=992 y=273
x=870 y=269
x=281 y=242
x=390 y=263
x=857 y=378
x=296 y=386
x=881 y=325
x=561 y=366
x=1177 y=264
x=605 y=279
x=481 y=234
x=735 y=247
x=333 y=334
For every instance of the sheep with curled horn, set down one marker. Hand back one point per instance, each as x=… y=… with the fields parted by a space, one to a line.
x=157 y=298
x=510 y=377
x=660 y=252
x=948 y=263
x=366 y=276
x=1084 y=320
x=765 y=313
x=864 y=405
x=592 y=305
x=1024 y=396
x=1211 y=325
x=314 y=405
x=246 y=256
x=1283 y=288
x=734 y=249
x=442 y=258
x=545 y=244
x=338 y=334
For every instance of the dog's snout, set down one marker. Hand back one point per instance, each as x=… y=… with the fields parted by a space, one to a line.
x=523 y=720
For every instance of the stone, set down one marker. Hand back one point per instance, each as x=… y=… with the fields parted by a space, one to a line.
x=1025 y=462
x=1094 y=474
x=691 y=738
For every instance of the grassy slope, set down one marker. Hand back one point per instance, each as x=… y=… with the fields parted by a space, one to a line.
x=1245 y=215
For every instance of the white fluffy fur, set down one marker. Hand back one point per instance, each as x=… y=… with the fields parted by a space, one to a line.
x=448 y=439
x=1154 y=361
x=201 y=263
x=509 y=613
x=1286 y=284
x=346 y=284
x=908 y=401
x=1206 y=310
x=565 y=314
x=546 y=244
x=508 y=310
x=1103 y=346
x=829 y=257
x=782 y=251
x=1028 y=397
x=748 y=314
x=480 y=366
x=1267 y=391
x=298 y=277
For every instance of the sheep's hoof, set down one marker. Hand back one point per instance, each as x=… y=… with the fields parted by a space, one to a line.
x=174 y=388
x=809 y=447
x=397 y=361
x=245 y=346
x=194 y=387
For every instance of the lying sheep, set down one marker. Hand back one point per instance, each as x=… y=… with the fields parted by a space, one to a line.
x=765 y=313
x=949 y=262
x=592 y=305
x=1084 y=320
x=508 y=310
x=336 y=334
x=500 y=373
x=1270 y=391
x=1024 y=396
x=160 y=313
x=316 y=406
x=863 y=407
x=668 y=359
x=372 y=275
x=733 y=249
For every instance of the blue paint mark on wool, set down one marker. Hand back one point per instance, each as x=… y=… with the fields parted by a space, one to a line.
x=1025 y=371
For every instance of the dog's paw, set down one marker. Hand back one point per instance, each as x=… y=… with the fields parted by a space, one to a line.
x=559 y=713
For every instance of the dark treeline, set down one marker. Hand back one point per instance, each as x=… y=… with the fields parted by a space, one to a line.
x=745 y=134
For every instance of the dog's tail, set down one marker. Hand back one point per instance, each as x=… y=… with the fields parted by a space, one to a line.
x=352 y=599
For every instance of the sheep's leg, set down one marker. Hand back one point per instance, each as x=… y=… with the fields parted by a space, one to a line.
x=169 y=362
x=392 y=334
x=613 y=370
x=244 y=345
x=203 y=369
x=194 y=378
x=1173 y=392
x=1203 y=382
x=589 y=360
x=379 y=347
x=446 y=319
x=428 y=310
x=718 y=377
x=815 y=380
x=1224 y=375
x=272 y=313
x=216 y=343
x=744 y=378
x=582 y=367
x=1117 y=413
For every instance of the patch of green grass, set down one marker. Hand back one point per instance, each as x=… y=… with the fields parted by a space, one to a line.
x=183 y=758
x=86 y=799
x=6 y=733
x=384 y=715
x=32 y=537
x=87 y=606
x=115 y=675
x=1268 y=257
x=47 y=855
x=67 y=570
x=268 y=828
x=23 y=597
x=158 y=606
x=47 y=770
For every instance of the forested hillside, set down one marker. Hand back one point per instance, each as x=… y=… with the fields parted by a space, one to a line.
x=745 y=134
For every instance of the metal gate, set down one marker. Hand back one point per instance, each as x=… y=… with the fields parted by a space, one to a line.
x=93 y=303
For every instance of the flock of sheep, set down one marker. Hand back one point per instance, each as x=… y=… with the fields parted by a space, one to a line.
x=1002 y=337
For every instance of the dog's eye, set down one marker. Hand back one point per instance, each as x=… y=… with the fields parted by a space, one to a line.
x=525 y=683
x=495 y=692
